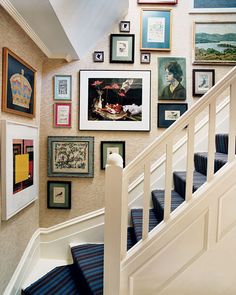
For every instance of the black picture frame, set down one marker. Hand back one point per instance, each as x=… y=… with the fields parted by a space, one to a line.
x=122 y=48
x=110 y=147
x=203 y=80
x=59 y=194
x=125 y=26
x=168 y=113
x=145 y=57
x=98 y=56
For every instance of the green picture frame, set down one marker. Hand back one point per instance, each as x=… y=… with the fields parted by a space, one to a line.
x=108 y=147
x=62 y=87
x=122 y=48
x=59 y=195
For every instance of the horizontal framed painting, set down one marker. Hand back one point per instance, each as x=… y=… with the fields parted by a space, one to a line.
x=114 y=100
x=110 y=147
x=59 y=195
x=213 y=6
x=19 y=169
x=62 y=115
x=122 y=48
x=62 y=87
x=70 y=156
x=18 y=85
x=155 y=29
x=157 y=1
x=203 y=80
x=168 y=113
x=215 y=43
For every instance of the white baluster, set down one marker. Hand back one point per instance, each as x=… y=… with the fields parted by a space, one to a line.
x=146 y=200
x=168 y=180
x=211 y=140
x=232 y=122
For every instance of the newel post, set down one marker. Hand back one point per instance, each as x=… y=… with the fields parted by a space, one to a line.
x=112 y=228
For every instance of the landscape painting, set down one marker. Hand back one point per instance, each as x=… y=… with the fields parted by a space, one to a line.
x=215 y=43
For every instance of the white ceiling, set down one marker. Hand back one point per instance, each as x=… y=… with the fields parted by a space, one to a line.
x=66 y=28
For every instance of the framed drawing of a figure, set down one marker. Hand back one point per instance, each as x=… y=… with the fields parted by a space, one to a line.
x=203 y=80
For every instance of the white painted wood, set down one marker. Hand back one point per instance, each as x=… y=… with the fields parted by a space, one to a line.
x=168 y=180
x=232 y=125
x=211 y=141
x=146 y=200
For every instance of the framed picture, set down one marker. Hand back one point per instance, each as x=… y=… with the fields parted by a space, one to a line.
x=171 y=78
x=59 y=195
x=157 y=1
x=62 y=87
x=122 y=48
x=125 y=26
x=214 y=43
x=114 y=100
x=110 y=147
x=155 y=29
x=19 y=169
x=216 y=6
x=145 y=58
x=98 y=56
x=18 y=85
x=62 y=115
x=203 y=80
x=168 y=113
x=70 y=156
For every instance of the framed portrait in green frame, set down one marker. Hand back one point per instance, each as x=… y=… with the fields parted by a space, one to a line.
x=59 y=195
x=110 y=147
x=155 y=29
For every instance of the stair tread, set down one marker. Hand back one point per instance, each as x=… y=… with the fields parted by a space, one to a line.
x=59 y=281
x=201 y=159
x=137 y=217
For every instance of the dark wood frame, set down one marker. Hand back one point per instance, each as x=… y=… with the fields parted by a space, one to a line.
x=124 y=30
x=95 y=59
x=161 y=122
x=142 y=60
x=113 y=144
x=125 y=36
x=49 y=196
x=212 y=71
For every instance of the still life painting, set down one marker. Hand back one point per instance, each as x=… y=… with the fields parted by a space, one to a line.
x=111 y=100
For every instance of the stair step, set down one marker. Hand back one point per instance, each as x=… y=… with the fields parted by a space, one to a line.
x=180 y=181
x=200 y=161
x=137 y=219
x=158 y=197
x=131 y=240
x=59 y=281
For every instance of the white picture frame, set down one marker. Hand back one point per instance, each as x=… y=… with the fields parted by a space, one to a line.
x=19 y=144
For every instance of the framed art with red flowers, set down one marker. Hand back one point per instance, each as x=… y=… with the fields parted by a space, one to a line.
x=114 y=100
x=62 y=115
x=18 y=85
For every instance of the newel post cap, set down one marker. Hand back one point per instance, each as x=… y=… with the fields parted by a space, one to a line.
x=115 y=159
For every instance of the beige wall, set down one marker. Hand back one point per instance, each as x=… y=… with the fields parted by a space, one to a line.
x=17 y=231
x=88 y=194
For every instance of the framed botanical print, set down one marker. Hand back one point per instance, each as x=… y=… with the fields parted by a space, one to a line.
x=18 y=85
x=203 y=80
x=155 y=29
x=168 y=113
x=62 y=87
x=122 y=48
x=110 y=147
x=59 y=195
x=70 y=156
x=62 y=115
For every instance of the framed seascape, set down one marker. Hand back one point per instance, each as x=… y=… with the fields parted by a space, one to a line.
x=110 y=147
x=114 y=100
x=203 y=80
x=216 y=6
x=168 y=113
x=59 y=195
x=215 y=43
x=70 y=156
x=18 y=85
x=19 y=169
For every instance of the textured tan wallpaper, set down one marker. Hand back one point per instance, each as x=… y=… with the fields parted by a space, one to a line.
x=17 y=231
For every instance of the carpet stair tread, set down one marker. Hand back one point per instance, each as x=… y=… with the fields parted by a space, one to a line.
x=200 y=161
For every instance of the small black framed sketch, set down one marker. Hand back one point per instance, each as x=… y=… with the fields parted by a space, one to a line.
x=203 y=80
x=122 y=48
x=145 y=58
x=59 y=195
x=168 y=113
x=125 y=26
x=98 y=56
x=110 y=147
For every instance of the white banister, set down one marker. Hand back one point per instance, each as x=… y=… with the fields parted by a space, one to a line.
x=211 y=140
x=168 y=180
x=232 y=124
x=146 y=199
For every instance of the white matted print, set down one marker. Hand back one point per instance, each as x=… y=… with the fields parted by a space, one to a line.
x=19 y=153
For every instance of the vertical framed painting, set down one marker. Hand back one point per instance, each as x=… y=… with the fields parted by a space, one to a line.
x=18 y=85
x=114 y=100
x=59 y=195
x=70 y=156
x=110 y=147
x=155 y=29
x=122 y=48
x=215 y=43
x=19 y=154
x=62 y=87
x=216 y=6
x=203 y=80
x=171 y=78
x=62 y=115
x=168 y=113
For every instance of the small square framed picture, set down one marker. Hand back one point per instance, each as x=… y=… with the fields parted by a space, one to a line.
x=145 y=58
x=110 y=147
x=122 y=48
x=203 y=80
x=98 y=56
x=59 y=195
x=62 y=87
x=168 y=113
x=62 y=115
x=125 y=26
